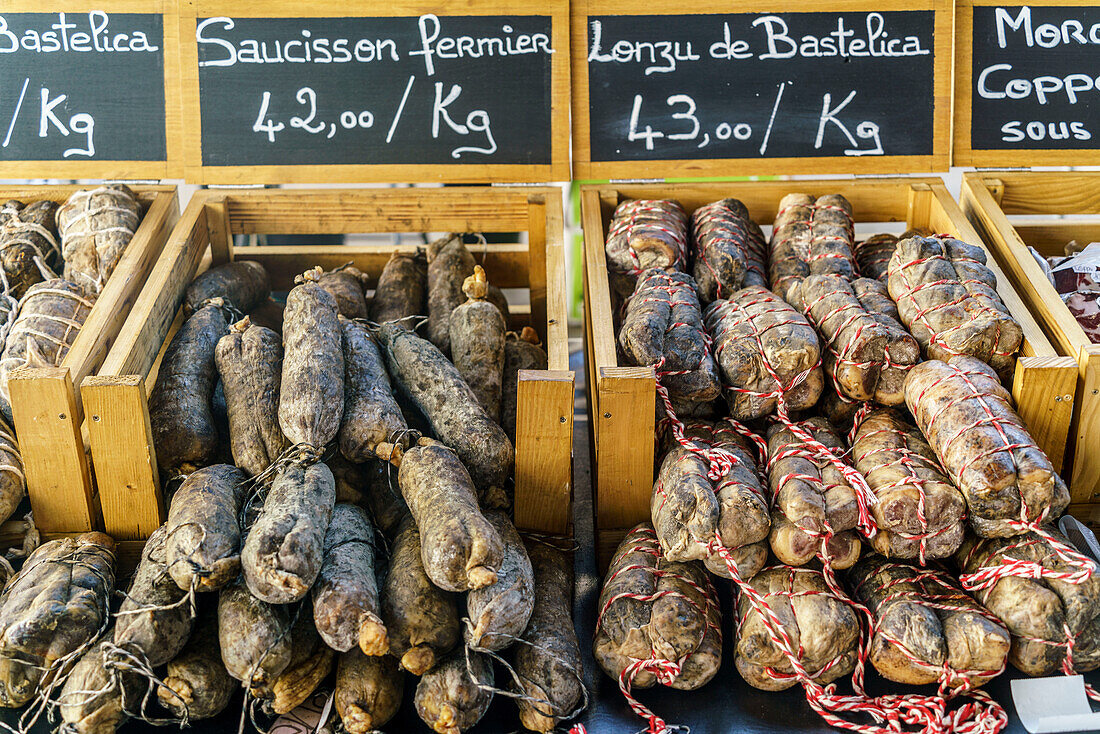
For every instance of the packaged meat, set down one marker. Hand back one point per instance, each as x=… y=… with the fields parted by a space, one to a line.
x=728 y=250
x=1047 y=594
x=948 y=299
x=663 y=327
x=967 y=417
x=811 y=236
x=688 y=506
x=645 y=233
x=768 y=354
x=919 y=513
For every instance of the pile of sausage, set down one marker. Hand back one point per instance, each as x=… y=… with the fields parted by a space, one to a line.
x=341 y=513
x=859 y=437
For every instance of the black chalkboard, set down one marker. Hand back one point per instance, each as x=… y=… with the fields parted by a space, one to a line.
x=1036 y=78
x=82 y=87
x=759 y=85
x=363 y=90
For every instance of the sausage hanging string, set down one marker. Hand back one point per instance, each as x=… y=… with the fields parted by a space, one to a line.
x=80 y=225
x=815 y=252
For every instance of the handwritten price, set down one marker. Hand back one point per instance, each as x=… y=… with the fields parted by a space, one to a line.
x=683 y=111
x=477 y=122
x=80 y=123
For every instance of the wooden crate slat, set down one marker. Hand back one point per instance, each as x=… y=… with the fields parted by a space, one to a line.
x=544 y=466
x=505 y=264
x=59 y=482
x=1050 y=193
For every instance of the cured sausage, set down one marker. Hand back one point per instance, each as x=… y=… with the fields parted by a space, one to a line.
x=203 y=539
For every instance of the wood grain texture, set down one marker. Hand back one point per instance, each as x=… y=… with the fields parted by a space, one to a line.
x=963 y=153
x=59 y=481
x=585 y=169
x=544 y=447
x=624 y=445
x=121 y=439
x=196 y=172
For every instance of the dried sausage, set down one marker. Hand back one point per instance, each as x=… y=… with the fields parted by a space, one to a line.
x=203 y=537
x=499 y=613
x=449 y=264
x=372 y=420
x=477 y=343
x=241 y=284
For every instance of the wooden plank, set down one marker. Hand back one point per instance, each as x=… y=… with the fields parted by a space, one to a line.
x=221 y=232
x=1050 y=238
x=1043 y=388
x=624 y=452
x=598 y=297
x=1084 y=483
x=536 y=259
x=505 y=264
x=356 y=211
x=121 y=437
x=554 y=267
x=1071 y=193
x=544 y=447
x=142 y=337
x=59 y=482
x=116 y=300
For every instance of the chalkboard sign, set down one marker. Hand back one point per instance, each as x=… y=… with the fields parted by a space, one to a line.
x=413 y=96
x=1028 y=84
x=774 y=91
x=82 y=92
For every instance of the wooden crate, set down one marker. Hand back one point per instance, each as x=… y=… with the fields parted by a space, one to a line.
x=1011 y=211
x=116 y=399
x=622 y=398
x=46 y=404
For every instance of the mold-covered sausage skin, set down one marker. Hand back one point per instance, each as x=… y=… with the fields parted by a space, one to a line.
x=477 y=343
x=372 y=420
x=449 y=264
x=250 y=362
x=368 y=690
x=521 y=352
x=461 y=549
x=180 y=405
x=151 y=617
x=254 y=637
x=401 y=290
x=311 y=401
x=550 y=663
x=499 y=613
x=345 y=595
x=96 y=699
x=346 y=285
x=421 y=619
x=448 y=697
x=55 y=604
x=310 y=663
x=203 y=537
x=283 y=552
x=242 y=284
x=197 y=678
x=433 y=385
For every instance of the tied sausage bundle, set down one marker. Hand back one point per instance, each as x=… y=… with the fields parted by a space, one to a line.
x=659 y=621
x=1047 y=594
x=28 y=233
x=688 y=507
x=919 y=513
x=927 y=630
x=663 y=327
x=867 y=351
x=768 y=354
x=815 y=507
x=728 y=250
x=811 y=236
x=645 y=234
x=967 y=417
x=947 y=297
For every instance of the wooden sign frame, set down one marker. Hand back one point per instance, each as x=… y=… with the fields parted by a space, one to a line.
x=196 y=172
x=964 y=154
x=172 y=166
x=584 y=169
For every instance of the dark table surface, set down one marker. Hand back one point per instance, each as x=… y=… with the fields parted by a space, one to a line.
x=727 y=705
